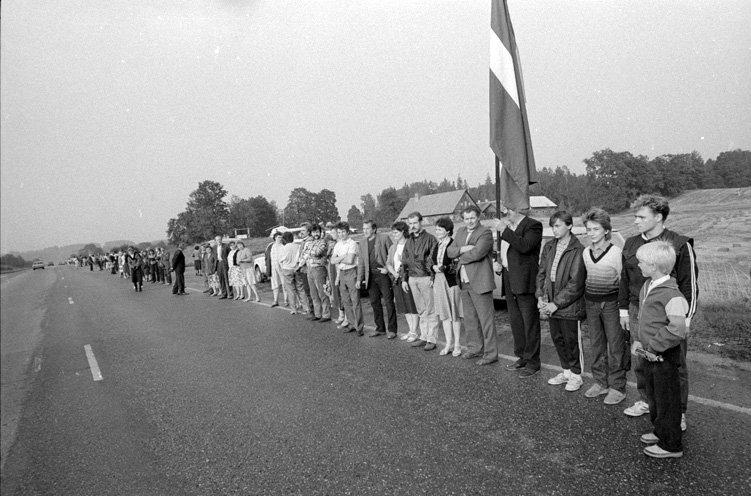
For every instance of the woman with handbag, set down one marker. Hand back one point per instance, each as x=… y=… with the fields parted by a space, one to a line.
x=446 y=292
x=403 y=301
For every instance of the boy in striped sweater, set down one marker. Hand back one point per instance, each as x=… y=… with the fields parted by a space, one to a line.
x=662 y=329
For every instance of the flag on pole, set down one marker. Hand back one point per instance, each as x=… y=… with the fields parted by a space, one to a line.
x=509 y=128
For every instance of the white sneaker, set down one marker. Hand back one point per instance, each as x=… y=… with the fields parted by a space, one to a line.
x=684 y=426
x=637 y=409
x=561 y=378
x=411 y=339
x=574 y=383
x=595 y=391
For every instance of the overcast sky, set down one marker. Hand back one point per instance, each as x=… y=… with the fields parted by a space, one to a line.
x=113 y=112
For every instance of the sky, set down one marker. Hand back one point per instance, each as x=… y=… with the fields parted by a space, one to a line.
x=111 y=113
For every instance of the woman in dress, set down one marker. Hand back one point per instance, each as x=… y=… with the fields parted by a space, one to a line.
x=245 y=261
x=275 y=253
x=446 y=293
x=403 y=301
x=560 y=298
x=236 y=279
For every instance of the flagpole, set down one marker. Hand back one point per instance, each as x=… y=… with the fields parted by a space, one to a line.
x=498 y=197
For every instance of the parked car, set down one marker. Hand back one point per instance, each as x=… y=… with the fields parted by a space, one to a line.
x=38 y=264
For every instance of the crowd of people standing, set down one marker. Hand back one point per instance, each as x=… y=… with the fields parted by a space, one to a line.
x=637 y=300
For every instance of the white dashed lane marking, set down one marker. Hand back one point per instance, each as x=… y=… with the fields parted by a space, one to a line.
x=96 y=374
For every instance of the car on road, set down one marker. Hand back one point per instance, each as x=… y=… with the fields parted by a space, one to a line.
x=38 y=264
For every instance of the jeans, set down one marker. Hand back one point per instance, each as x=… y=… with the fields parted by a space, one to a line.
x=608 y=344
x=321 y=303
x=351 y=298
x=379 y=288
x=293 y=280
x=422 y=293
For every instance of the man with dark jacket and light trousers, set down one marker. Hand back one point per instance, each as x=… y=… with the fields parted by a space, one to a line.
x=520 y=252
x=473 y=246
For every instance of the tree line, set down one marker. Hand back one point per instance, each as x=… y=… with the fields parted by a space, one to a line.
x=611 y=180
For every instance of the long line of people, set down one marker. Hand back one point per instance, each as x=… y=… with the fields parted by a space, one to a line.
x=445 y=282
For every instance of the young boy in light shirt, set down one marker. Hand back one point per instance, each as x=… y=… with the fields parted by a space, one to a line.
x=662 y=328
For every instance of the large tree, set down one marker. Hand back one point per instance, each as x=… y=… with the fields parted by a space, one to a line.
x=206 y=215
x=354 y=217
x=304 y=205
x=256 y=214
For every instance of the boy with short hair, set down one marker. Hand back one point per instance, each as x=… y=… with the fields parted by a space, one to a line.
x=662 y=328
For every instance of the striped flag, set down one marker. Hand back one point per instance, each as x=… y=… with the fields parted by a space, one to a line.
x=509 y=128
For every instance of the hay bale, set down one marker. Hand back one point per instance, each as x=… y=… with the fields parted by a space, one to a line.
x=723 y=249
x=737 y=245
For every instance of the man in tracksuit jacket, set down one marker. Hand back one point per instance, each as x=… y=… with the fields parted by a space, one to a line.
x=649 y=217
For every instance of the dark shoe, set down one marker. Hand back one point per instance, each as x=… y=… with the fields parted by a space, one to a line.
x=350 y=329
x=519 y=364
x=429 y=347
x=274 y=305
x=325 y=319
x=390 y=335
x=360 y=333
x=467 y=356
x=184 y=293
x=222 y=297
x=486 y=361
x=418 y=343
x=175 y=293
x=314 y=318
x=375 y=334
x=206 y=291
x=527 y=372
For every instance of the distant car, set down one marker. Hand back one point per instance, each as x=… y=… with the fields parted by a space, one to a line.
x=38 y=264
x=50 y=264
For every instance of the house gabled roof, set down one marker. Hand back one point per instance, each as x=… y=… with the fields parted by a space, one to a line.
x=437 y=204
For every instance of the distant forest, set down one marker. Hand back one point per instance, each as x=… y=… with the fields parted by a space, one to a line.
x=612 y=180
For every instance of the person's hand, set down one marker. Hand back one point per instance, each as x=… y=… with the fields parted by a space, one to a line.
x=336 y=283
x=436 y=268
x=430 y=283
x=626 y=323
x=405 y=286
x=466 y=248
x=497 y=267
x=636 y=345
x=550 y=308
x=540 y=301
x=358 y=284
x=383 y=270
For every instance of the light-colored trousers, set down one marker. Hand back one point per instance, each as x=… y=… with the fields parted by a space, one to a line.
x=422 y=293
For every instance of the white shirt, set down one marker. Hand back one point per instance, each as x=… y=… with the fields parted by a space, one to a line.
x=505 y=245
x=219 y=251
x=398 y=256
x=656 y=283
x=342 y=248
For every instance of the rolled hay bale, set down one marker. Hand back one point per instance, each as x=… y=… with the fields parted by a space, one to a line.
x=723 y=249
x=737 y=245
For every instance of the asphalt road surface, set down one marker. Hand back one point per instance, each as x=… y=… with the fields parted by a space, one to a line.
x=206 y=397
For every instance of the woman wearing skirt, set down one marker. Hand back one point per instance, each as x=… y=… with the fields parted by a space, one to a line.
x=236 y=278
x=404 y=303
x=446 y=294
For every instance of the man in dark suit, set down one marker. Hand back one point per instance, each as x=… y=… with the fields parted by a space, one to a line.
x=473 y=246
x=222 y=267
x=178 y=266
x=374 y=249
x=520 y=253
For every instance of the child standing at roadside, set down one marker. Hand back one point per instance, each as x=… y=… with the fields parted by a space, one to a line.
x=662 y=328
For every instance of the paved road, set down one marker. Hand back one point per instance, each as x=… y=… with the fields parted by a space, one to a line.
x=207 y=397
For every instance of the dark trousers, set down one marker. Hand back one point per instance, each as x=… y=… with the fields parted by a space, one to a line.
x=525 y=325
x=479 y=322
x=633 y=313
x=663 y=389
x=565 y=336
x=222 y=270
x=136 y=276
x=167 y=275
x=179 y=286
x=159 y=273
x=379 y=288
